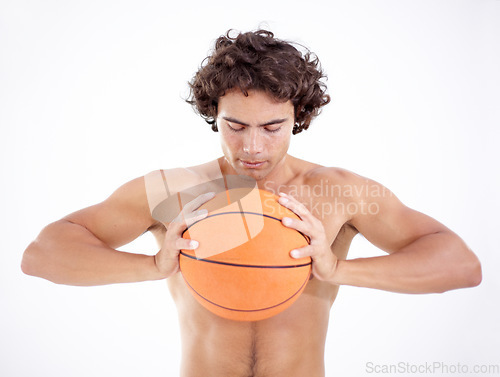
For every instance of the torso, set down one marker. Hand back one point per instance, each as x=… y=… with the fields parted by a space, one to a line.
x=288 y=344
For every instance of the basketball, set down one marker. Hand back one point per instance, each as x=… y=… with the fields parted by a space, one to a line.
x=242 y=269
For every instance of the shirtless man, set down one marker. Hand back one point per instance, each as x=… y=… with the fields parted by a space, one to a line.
x=257 y=91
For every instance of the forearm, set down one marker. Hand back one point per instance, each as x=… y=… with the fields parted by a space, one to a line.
x=67 y=253
x=432 y=264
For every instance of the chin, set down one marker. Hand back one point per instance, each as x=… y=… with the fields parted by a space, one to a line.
x=258 y=175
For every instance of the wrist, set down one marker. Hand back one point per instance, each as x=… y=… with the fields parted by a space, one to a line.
x=153 y=270
x=336 y=274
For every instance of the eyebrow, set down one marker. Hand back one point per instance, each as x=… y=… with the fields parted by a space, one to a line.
x=274 y=121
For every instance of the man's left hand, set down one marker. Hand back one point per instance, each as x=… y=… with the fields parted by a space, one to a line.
x=324 y=262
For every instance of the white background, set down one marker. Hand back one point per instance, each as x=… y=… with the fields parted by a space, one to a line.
x=91 y=97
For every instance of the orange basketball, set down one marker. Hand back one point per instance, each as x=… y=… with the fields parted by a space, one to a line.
x=242 y=269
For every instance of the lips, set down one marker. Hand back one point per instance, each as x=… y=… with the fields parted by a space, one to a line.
x=252 y=164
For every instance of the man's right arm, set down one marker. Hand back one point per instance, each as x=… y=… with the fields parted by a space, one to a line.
x=80 y=249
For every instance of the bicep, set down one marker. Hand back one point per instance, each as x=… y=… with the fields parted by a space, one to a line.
x=119 y=219
x=390 y=225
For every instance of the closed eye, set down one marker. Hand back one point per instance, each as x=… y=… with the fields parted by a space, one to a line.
x=275 y=130
x=235 y=129
x=232 y=129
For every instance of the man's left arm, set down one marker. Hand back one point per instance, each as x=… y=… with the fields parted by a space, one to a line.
x=424 y=256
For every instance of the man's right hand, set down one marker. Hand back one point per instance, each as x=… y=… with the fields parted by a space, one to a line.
x=167 y=259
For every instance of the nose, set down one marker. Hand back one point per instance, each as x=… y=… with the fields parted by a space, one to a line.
x=253 y=143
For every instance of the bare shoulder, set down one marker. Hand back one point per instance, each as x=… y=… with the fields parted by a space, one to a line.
x=347 y=185
x=335 y=175
x=348 y=195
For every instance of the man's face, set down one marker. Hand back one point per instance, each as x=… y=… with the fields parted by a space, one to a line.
x=255 y=131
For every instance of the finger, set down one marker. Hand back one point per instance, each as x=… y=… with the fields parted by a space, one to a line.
x=181 y=222
x=186 y=244
x=197 y=202
x=306 y=251
x=193 y=217
x=294 y=205
x=186 y=213
x=298 y=225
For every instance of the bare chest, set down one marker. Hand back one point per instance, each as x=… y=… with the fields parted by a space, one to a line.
x=292 y=340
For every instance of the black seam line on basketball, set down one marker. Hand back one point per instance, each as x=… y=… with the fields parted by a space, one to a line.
x=239 y=213
x=245 y=224
x=249 y=310
x=244 y=265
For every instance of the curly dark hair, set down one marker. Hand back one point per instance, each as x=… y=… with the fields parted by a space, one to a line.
x=257 y=60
